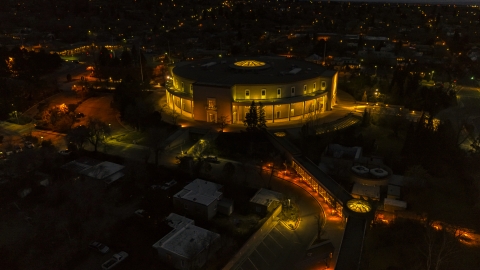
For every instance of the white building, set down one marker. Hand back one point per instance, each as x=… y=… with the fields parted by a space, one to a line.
x=199 y=198
x=265 y=201
x=186 y=246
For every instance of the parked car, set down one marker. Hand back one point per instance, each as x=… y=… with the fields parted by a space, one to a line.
x=29 y=144
x=141 y=213
x=211 y=158
x=169 y=184
x=99 y=247
x=155 y=187
x=65 y=152
x=116 y=259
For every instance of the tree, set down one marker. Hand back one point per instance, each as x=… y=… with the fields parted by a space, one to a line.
x=126 y=58
x=156 y=141
x=262 y=122
x=366 y=118
x=77 y=136
x=475 y=146
x=97 y=132
x=251 y=119
x=223 y=121
x=440 y=244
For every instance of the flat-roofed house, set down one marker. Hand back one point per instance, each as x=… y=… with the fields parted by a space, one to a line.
x=186 y=246
x=265 y=201
x=199 y=199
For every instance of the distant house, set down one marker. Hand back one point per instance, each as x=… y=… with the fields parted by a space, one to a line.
x=265 y=201
x=186 y=246
x=199 y=199
x=105 y=171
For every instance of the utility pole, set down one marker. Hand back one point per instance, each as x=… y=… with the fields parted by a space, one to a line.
x=141 y=68
x=324 y=51
x=169 y=53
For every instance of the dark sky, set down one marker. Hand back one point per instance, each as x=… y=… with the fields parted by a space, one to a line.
x=418 y=1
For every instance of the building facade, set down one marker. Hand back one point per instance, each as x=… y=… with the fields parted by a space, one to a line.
x=199 y=199
x=289 y=89
x=186 y=246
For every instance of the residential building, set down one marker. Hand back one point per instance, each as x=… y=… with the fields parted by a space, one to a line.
x=199 y=199
x=186 y=246
x=265 y=201
x=105 y=171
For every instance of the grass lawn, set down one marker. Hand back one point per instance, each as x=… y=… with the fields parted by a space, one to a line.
x=387 y=143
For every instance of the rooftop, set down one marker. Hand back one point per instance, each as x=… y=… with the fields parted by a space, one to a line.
x=340 y=151
x=396 y=203
x=266 y=197
x=103 y=170
x=200 y=191
x=351 y=249
x=186 y=239
x=249 y=70
x=368 y=191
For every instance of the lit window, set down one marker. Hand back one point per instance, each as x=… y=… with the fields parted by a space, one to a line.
x=191 y=87
x=279 y=92
x=305 y=89
x=324 y=85
x=211 y=103
x=247 y=94
x=182 y=86
x=293 y=90
x=264 y=93
x=314 y=86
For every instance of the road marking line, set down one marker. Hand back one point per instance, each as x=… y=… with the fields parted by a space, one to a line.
x=281 y=233
x=252 y=263
x=268 y=248
x=275 y=241
x=261 y=256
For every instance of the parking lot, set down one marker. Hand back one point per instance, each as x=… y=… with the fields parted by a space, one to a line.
x=278 y=250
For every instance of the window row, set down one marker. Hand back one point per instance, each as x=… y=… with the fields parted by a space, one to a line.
x=292 y=90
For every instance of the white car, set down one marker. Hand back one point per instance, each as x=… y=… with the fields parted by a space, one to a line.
x=17 y=149
x=65 y=152
x=116 y=259
x=169 y=184
x=29 y=144
x=99 y=247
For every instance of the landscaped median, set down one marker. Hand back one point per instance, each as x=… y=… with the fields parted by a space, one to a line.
x=290 y=216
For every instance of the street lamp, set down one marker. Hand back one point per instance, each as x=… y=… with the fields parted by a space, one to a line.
x=375 y=71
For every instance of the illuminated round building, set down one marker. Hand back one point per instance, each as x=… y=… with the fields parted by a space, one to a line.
x=289 y=89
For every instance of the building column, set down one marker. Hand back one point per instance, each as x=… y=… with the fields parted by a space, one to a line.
x=181 y=107
x=289 y=110
x=273 y=113
x=303 y=110
x=191 y=106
